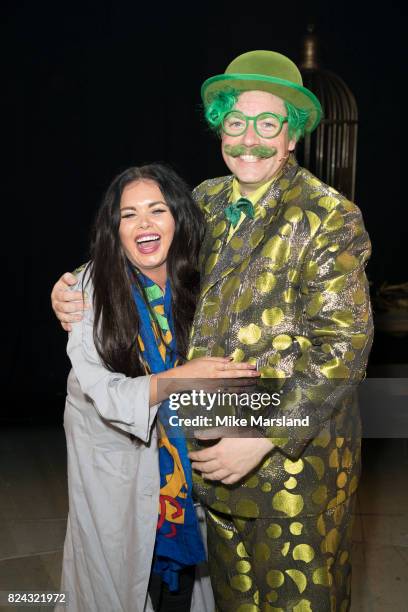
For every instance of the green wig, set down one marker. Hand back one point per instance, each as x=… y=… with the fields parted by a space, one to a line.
x=224 y=101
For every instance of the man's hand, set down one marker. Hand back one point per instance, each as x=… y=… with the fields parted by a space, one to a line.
x=67 y=305
x=231 y=458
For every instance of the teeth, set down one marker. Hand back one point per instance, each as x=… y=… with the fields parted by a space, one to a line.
x=248 y=158
x=148 y=238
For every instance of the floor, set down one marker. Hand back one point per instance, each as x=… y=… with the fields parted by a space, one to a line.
x=33 y=509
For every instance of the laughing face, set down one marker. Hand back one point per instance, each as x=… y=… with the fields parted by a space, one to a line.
x=252 y=159
x=146 y=229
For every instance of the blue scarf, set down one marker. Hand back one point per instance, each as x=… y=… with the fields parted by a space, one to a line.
x=178 y=538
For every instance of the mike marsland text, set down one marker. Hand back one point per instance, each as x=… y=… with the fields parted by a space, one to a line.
x=254 y=420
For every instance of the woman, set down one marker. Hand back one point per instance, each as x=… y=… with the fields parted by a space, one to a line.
x=141 y=284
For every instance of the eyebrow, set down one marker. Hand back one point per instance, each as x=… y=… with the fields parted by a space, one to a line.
x=149 y=205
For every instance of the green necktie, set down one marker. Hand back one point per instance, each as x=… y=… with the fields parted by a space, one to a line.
x=233 y=211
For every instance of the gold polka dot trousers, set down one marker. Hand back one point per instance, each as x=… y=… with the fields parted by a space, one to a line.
x=281 y=565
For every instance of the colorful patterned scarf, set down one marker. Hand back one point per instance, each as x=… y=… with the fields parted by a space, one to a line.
x=178 y=538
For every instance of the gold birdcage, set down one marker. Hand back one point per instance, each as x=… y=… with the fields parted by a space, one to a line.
x=330 y=151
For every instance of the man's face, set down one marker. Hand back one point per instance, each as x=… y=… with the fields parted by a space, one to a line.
x=250 y=170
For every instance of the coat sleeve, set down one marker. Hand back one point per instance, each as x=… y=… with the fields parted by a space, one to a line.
x=337 y=328
x=119 y=399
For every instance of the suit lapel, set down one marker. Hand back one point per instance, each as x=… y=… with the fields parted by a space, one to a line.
x=219 y=257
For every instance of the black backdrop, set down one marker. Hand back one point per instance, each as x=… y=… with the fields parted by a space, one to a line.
x=91 y=89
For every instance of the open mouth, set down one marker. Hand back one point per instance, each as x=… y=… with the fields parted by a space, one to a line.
x=148 y=243
x=249 y=158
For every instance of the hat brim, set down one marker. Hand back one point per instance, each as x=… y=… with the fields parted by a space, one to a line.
x=291 y=92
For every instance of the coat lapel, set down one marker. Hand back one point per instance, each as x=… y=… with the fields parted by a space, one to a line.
x=219 y=257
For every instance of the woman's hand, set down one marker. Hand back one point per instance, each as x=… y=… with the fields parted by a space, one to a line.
x=67 y=305
x=215 y=367
x=201 y=373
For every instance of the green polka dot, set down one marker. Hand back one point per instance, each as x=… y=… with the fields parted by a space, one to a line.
x=296 y=528
x=219 y=229
x=222 y=493
x=236 y=243
x=241 y=582
x=274 y=530
x=243 y=567
x=262 y=552
x=275 y=578
x=247 y=507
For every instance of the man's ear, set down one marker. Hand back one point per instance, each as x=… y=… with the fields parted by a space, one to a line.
x=292 y=144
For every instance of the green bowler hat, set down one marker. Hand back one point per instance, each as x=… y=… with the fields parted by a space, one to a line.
x=266 y=71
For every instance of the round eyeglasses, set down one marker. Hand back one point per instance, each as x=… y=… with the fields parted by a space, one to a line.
x=267 y=125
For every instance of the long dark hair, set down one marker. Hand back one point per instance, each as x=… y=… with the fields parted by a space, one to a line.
x=116 y=322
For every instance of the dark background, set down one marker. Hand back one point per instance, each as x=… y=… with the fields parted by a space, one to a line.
x=94 y=88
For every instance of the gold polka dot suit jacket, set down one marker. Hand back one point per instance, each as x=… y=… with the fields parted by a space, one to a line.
x=288 y=292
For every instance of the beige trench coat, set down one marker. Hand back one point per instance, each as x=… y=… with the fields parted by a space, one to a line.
x=113 y=480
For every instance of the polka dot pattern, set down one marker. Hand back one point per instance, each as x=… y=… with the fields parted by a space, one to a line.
x=288 y=292
x=304 y=566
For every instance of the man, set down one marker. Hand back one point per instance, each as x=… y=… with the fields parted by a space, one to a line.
x=283 y=285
